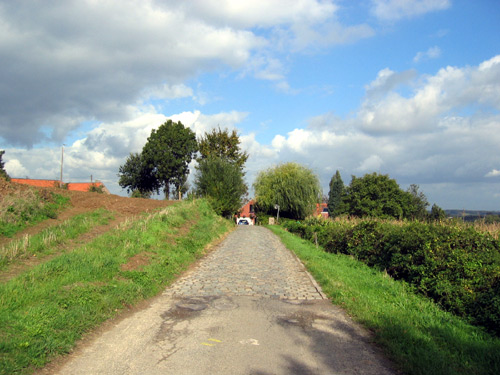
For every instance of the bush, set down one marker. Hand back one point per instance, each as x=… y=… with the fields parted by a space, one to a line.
x=455 y=265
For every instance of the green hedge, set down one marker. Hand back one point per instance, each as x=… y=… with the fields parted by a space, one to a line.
x=455 y=265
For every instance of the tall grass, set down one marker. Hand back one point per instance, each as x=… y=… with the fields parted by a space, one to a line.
x=44 y=311
x=416 y=334
x=28 y=207
x=45 y=241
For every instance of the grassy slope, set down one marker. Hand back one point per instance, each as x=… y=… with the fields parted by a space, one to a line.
x=43 y=312
x=418 y=336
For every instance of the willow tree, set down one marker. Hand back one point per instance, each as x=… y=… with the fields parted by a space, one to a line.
x=295 y=188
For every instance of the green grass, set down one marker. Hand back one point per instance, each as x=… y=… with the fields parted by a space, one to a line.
x=43 y=312
x=26 y=208
x=48 y=239
x=415 y=333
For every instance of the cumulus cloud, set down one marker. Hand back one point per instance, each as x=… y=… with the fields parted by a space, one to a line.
x=451 y=90
x=393 y=10
x=101 y=152
x=64 y=63
x=442 y=134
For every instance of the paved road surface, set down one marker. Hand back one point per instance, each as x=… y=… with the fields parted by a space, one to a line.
x=247 y=308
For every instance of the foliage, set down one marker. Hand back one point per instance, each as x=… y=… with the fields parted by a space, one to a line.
x=222 y=144
x=416 y=204
x=3 y=173
x=135 y=175
x=47 y=309
x=415 y=333
x=28 y=207
x=167 y=154
x=491 y=219
x=96 y=189
x=293 y=187
x=376 y=195
x=437 y=213
x=220 y=181
x=336 y=196
x=456 y=266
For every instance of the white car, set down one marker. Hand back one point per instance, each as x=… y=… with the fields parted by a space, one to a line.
x=244 y=221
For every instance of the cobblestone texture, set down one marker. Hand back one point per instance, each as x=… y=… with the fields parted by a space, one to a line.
x=251 y=261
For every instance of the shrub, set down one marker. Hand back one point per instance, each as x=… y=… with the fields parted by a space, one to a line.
x=455 y=265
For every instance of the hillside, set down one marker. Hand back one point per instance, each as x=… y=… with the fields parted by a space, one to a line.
x=119 y=208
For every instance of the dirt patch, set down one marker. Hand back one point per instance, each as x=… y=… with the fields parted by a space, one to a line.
x=137 y=262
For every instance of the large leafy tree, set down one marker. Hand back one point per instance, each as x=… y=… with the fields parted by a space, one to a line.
x=168 y=152
x=3 y=172
x=221 y=181
x=222 y=144
x=136 y=177
x=336 y=196
x=293 y=187
x=378 y=195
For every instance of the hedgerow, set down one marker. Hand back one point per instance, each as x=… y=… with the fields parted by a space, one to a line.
x=455 y=265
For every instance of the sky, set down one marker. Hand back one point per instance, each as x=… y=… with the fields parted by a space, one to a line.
x=407 y=88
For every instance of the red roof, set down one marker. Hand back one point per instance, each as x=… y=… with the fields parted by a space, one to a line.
x=74 y=186
x=33 y=182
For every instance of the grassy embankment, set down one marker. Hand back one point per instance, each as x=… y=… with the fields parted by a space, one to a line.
x=28 y=207
x=44 y=311
x=414 y=332
x=48 y=240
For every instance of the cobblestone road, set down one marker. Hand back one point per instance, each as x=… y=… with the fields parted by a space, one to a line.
x=251 y=261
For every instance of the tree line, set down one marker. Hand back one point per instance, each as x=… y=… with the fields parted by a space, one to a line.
x=162 y=166
x=296 y=190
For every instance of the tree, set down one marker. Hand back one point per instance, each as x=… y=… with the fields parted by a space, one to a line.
x=136 y=177
x=221 y=143
x=376 y=195
x=416 y=207
x=336 y=196
x=221 y=181
x=3 y=172
x=294 y=188
x=437 y=213
x=168 y=152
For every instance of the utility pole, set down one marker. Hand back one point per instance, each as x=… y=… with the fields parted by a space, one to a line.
x=62 y=160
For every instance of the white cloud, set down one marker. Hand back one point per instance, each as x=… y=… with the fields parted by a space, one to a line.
x=493 y=173
x=15 y=168
x=68 y=62
x=451 y=89
x=432 y=136
x=431 y=53
x=392 y=10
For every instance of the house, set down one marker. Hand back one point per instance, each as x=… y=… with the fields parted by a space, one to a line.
x=248 y=210
x=321 y=210
x=73 y=186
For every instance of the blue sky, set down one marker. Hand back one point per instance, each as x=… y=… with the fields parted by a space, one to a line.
x=405 y=88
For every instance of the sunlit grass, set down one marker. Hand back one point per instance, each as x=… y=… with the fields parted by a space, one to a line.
x=44 y=311
x=415 y=333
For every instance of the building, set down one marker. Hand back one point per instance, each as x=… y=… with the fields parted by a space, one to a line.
x=248 y=210
x=73 y=186
x=321 y=210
